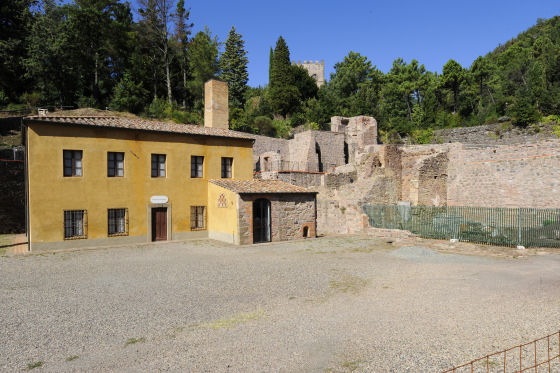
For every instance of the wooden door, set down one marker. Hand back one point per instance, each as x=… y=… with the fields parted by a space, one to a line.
x=159 y=224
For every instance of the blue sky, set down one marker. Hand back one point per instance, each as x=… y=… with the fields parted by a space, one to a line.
x=430 y=31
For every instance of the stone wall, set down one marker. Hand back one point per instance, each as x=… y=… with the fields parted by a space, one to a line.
x=505 y=176
x=424 y=174
x=359 y=132
x=309 y=180
x=495 y=134
x=290 y=215
x=264 y=144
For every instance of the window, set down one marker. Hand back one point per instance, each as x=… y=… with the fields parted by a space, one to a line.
x=117 y=222
x=196 y=166
x=72 y=162
x=227 y=164
x=115 y=164
x=158 y=165
x=198 y=217
x=75 y=224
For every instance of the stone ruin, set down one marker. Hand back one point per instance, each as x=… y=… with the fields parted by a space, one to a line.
x=348 y=168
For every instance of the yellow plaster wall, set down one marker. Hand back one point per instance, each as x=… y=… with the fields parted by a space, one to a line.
x=50 y=193
x=222 y=221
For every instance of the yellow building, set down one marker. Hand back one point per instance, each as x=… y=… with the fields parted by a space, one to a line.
x=96 y=181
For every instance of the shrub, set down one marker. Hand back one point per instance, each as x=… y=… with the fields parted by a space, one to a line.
x=282 y=128
x=523 y=112
x=297 y=119
x=3 y=99
x=551 y=119
x=31 y=99
x=422 y=136
x=264 y=126
x=159 y=108
x=85 y=101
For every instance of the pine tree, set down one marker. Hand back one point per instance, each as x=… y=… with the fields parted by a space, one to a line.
x=183 y=30
x=233 y=65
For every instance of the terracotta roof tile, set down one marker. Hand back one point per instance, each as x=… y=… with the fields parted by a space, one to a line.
x=141 y=124
x=257 y=186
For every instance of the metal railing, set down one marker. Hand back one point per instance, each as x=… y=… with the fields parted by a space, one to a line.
x=542 y=354
x=487 y=225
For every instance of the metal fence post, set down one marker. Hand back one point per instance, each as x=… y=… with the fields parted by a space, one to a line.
x=518 y=226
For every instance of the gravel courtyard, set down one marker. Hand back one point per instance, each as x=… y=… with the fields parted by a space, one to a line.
x=334 y=304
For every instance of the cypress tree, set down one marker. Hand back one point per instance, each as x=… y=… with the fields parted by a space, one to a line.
x=233 y=65
x=284 y=95
x=270 y=65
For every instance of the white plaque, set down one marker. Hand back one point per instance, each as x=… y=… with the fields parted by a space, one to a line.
x=158 y=199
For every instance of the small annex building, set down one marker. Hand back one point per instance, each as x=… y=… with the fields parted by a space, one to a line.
x=98 y=181
x=253 y=211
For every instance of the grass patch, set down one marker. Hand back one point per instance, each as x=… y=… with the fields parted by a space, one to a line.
x=72 y=358
x=348 y=284
x=132 y=341
x=34 y=365
x=362 y=250
x=232 y=321
x=351 y=365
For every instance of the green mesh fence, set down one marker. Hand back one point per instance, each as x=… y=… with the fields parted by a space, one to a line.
x=494 y=226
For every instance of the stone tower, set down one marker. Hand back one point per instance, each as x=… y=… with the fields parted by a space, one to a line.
x=315 y=70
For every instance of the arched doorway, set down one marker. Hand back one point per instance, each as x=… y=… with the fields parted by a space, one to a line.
x=261 y=220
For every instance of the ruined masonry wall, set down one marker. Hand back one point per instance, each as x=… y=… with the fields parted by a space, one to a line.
x=505 y=176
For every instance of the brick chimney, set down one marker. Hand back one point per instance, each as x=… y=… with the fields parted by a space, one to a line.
x=216 y=110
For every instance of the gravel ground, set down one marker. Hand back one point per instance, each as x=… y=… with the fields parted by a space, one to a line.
x=336 y=304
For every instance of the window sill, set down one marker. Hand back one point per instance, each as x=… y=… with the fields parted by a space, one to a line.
x=198 y=229
x=75 y=238
x=117 y=234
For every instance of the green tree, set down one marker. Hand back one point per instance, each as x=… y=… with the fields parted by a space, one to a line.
x=284 y=95
x=203 y=62
x=15 y=25
x=183 y=29
x=306 y=84
x=159 y=21
x=451 y=78
x=129 y=95
x=51 y=59
x=233 y=66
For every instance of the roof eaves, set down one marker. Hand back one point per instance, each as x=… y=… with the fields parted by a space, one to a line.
x=70 y=124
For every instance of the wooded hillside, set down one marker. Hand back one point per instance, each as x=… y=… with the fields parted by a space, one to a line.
x=92 y=53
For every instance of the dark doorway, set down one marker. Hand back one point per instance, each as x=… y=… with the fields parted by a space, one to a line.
x=261 y=220
x=305 y=232
x=159 y=224
x=319 y=160
x=346 y=154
